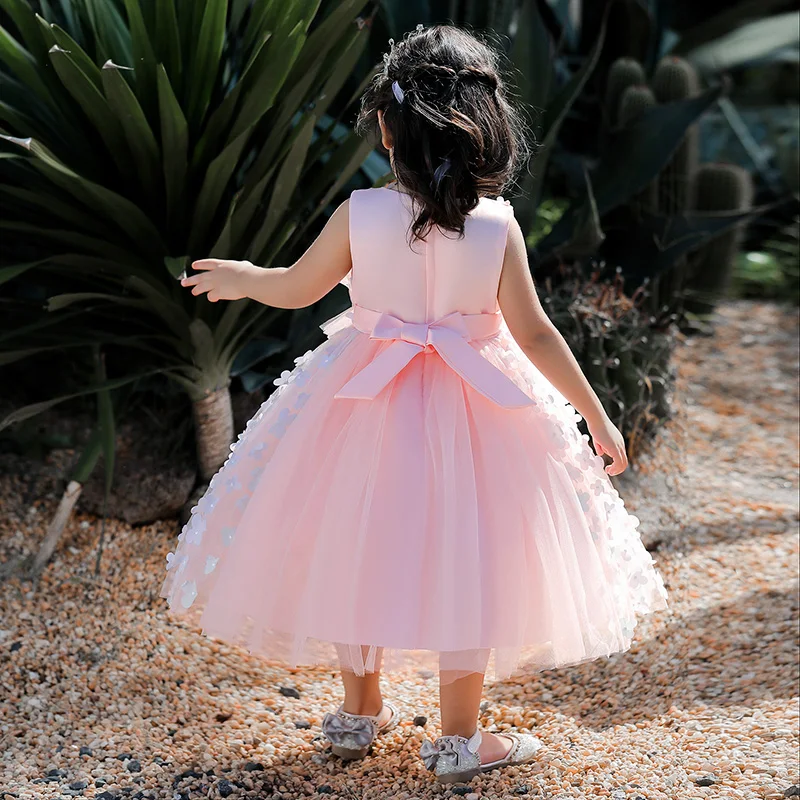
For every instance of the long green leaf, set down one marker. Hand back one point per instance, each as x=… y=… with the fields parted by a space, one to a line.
x=271 y=71
x=9 y=273
x=216 y=181
x=326 y=34
x=89 y=457
x=23 y=64
x=110 y=30
x=133 y=122
x=174 y=142
x=285 y=183
x=243 y=209
x=556 y=113
x=346 y=57
x=59 y=301
x=94 y=105
x=173 y=314
x=26 y=412
x=128 y=216
x=264 y=18
x=77 y=54
x=220 y=120
x=144 y=60
x=168 y=41
x=206 y=56
x=92 y=244
x=51 y=204
x=24 y=18
x=280 y=123
x=347 y=159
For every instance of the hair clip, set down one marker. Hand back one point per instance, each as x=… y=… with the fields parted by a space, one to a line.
x=398 y=92
x=440 y=172
x=420 y=27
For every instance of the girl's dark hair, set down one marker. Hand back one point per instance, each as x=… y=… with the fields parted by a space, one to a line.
x=455 y=134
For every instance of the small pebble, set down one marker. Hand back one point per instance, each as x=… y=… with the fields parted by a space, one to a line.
x=420 y=721
x=289 y=691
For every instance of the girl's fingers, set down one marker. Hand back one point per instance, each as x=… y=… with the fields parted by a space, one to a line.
x=206 y=263
x=195 y=279
x=200 y=288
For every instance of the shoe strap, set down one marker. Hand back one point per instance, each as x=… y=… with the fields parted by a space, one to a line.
x=474 y=741
x=374 y=718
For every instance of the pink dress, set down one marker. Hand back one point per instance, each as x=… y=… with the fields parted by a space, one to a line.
x=416 y=485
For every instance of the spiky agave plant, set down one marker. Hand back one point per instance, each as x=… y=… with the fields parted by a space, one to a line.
x=137 y=136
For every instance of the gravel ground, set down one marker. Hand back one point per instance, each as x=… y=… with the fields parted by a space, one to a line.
x=103 y=696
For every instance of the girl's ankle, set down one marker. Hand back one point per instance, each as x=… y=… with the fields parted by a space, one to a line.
x=369 y=709
x=463 y=732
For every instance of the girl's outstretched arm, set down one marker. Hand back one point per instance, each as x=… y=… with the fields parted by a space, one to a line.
x=309 y=279
x=542 y=343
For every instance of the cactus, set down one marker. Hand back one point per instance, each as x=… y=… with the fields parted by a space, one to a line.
x=624 y=72
x=719 y=187
x=635 y=100
x=675 y=79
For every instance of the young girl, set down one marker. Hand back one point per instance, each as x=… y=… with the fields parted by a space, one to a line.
x=416 y=491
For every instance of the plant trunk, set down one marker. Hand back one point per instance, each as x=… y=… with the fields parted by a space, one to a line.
x=213 y=421
x=57 y=525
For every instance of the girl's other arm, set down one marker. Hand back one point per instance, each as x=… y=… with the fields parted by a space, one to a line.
x=541 y=342
x=309 y=279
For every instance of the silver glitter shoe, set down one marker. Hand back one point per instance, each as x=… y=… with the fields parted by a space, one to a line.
x=455 y=759
x=352 y=735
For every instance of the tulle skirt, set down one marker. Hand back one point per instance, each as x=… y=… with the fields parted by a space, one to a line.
x=427 y=528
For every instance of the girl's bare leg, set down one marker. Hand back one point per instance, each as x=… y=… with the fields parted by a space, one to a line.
x=362 y=694
x=460 y=700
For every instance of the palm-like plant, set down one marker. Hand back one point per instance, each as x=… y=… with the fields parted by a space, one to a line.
x=139 y=135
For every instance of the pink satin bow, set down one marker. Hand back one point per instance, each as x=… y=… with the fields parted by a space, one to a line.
x=449 y=336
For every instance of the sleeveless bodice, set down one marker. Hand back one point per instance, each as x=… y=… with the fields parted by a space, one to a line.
x=432 y=278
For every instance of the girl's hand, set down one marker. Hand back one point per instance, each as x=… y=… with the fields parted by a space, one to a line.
x=609 y=441
x=222 y=280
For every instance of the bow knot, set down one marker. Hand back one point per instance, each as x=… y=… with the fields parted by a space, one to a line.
x=356 y=731
x=449 y=336
x=447 y=749
x=421 y=334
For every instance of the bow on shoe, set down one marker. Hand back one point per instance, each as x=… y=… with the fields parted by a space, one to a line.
x=359 y=732
x=446 y=750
